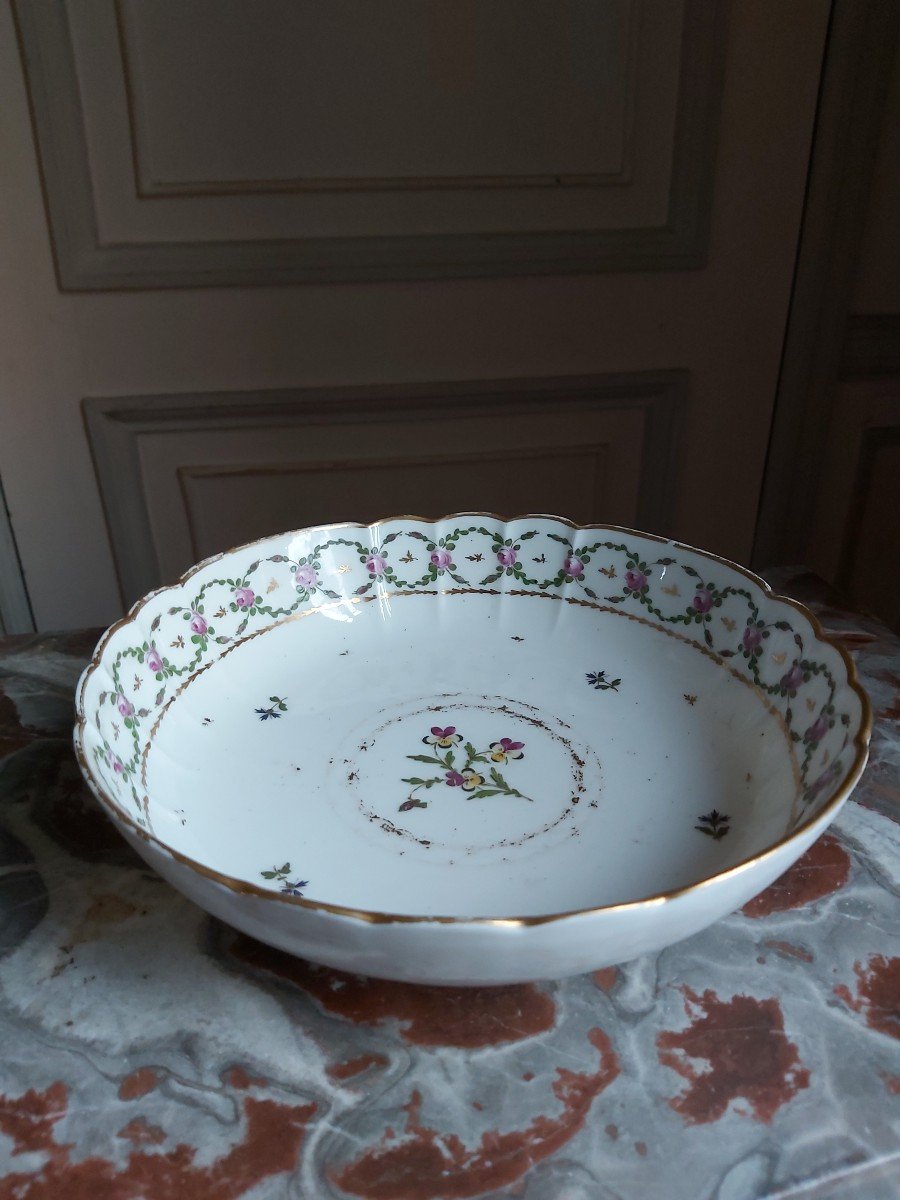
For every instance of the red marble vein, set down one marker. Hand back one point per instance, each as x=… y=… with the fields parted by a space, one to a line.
x=877 y=993
x=106 y=909
x=241 y=1079
x=823 y=869
x=139 y=1083
x=885 y=792
x=791 y=950
x=440 y=1165
x=273 y=1137
x=605 y=978
x=890 y=712
x=429 y=1016
x=749 y=1057
x=355 y=1066
x=141 y=1133
x=852 y=639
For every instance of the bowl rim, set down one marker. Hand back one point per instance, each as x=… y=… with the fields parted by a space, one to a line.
x=370 y=916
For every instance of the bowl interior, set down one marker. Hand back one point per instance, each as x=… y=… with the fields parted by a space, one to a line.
x=469 y=718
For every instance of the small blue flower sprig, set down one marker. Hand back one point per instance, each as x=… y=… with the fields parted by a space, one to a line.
x=277 y=706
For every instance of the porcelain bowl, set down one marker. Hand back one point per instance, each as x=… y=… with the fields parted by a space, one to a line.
x=470 y=750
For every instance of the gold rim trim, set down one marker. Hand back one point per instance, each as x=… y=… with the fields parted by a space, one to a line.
x=243 y=887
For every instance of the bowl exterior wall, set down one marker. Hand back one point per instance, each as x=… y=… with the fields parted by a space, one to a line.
x=476 y=953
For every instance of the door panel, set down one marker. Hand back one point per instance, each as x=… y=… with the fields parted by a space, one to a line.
x=183 y=477
x=667 y=255
x=319 y=141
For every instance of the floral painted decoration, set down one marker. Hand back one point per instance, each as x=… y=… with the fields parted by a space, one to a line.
x=506 y=749
x=282 y=874
x=598 y=681
x=444 y=738
x=479 y=784
x=277 y=706
x=714 y=824
x=184 y=629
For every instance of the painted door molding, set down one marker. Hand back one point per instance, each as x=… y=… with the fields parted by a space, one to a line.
x=639 y=416
x=78 y=193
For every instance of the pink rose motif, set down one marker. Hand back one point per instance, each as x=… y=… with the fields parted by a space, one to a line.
x=816 y=732
x=573 y=566
x=198 y=624
x=703 y=601
x=792 y=680
x=506 y=556
x=125 y=707
x=244 y=597
x=117 y=766
x=154 y=660
x=752 y=639
x=441 y=559
x=306 y=577
x=376 y=564
x=635 y=580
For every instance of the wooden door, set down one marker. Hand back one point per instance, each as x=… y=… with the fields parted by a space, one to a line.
x=272 y=265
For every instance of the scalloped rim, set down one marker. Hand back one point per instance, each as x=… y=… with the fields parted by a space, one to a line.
x=244 y=887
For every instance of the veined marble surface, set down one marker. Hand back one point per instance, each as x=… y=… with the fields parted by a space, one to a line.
x=148 y=1051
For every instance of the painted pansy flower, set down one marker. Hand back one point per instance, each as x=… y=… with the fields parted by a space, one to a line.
x=445 y=738
x=154 y=661
x=125 y=707
x=468 y=779
x=573 y=566
x=376 y=564
x=703 y=600
x=244 y=597
x=635 y=580
x=198 y=624
x=295 y=888
x=441 y=559
x=506 y=556
x=506 y=748
x=116 y=763
x=791 y=681
x=306 y=577
x=752 y=639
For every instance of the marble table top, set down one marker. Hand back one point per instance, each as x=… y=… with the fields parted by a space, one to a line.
x=149 y=1051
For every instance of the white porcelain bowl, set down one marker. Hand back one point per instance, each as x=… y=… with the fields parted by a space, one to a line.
x=470 y=750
